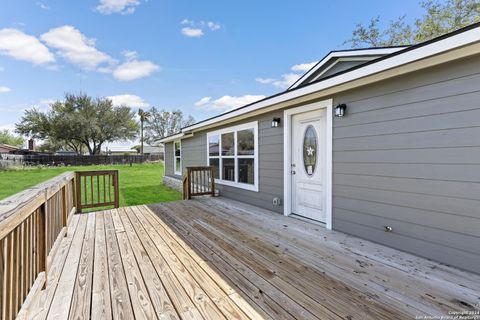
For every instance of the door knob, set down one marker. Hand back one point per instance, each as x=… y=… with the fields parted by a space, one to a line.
x=293 y=172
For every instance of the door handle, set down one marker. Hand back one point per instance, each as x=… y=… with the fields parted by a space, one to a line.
x=293 y=172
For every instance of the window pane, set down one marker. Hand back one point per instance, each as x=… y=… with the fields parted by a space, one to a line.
x=246 y=142
x=246 y=171
x=178 y=167
x=213 y=145
x=310 y=150
x=177 y=149
x=228 y=144
x=228 y=169
x=215 y=163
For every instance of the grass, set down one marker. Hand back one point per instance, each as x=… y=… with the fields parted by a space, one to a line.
x=139 y=184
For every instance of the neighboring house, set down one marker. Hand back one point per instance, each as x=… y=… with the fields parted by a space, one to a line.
x=6 y=148
x=401 y=167
x=153 y=150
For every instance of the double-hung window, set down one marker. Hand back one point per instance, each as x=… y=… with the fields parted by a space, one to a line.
x=233 y=153
x=177 y=157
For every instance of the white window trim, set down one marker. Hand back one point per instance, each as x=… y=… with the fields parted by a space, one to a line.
x=250 y=125
x=287 y=156
x=177 y=172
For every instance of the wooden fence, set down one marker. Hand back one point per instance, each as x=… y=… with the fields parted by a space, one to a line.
x=32 y=225
x=198 y=181
x=13 y=160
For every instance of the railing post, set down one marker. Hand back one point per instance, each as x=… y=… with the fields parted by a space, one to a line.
x=78 y=193
x=189 y=183
x=42 y=239
x=212 y=179
x=64 y=207
x=116 y=189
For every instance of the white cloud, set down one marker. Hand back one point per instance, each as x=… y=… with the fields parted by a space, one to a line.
x=129 y=100
x=24 y=47
x=117 y=6
x=42 y=5
x=303 y=67
x=198 y=28
x=134 y=69
x=214 y=26
x=226 y=103
x=4 y=89
x=192 y=32
x=285 y=81
x=76 y=47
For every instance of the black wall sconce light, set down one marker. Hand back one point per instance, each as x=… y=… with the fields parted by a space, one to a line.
x=275 y=122
x=340 y=110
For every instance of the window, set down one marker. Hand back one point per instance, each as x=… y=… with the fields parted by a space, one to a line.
x=233 y=154
x=177 y=157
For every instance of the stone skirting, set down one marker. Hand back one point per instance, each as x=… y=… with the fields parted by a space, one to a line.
x=173 y=183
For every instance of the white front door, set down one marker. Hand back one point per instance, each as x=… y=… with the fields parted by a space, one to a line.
x=308 y=164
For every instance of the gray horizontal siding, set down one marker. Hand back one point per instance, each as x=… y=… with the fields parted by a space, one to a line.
x=407 y=155
x=169 y=170
x=270 y=140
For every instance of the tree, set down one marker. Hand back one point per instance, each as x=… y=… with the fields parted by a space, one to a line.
x=144 y=115
x=80 y=120
x=439 y=18
x=9 y=138
x=163 y=123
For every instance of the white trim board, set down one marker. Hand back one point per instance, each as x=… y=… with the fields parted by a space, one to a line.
x=344 y=55
x=287 y=152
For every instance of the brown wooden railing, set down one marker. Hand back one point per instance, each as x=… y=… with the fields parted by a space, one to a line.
x=97 y=189
x=198 y=181
x=32 y=223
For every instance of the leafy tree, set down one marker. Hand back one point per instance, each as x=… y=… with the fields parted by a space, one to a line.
x=51 y=145
x=9 y=138
x=162 y=123
x=439 y=18
x=80 y=120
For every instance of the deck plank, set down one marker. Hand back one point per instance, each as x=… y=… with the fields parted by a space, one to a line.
x=101 y=303
x=335 y=295
x=158 y=294
x=63 y=295
x=81 y=301
x=182 y=302
x=197 y=295
x=121 y=305
x=355 y=263
x=213 y=258
x=221 y=299
x=139 y=296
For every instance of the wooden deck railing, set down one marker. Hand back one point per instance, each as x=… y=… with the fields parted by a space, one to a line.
x=97 y=189
x=198 y=181
x=32 y=225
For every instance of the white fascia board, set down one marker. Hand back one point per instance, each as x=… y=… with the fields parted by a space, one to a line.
x=345 y=54
x=465 y=38
x=178 y=136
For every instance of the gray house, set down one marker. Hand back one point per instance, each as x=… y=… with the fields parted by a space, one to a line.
x=380 y=143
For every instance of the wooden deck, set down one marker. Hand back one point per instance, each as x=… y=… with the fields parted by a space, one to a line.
x=217 y=259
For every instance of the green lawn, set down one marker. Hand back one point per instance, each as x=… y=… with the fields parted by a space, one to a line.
x=139 y=184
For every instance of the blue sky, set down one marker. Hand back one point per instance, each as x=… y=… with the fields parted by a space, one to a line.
x=204 y=57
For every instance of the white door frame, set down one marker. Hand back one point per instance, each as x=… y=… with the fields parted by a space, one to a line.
x=287 y=155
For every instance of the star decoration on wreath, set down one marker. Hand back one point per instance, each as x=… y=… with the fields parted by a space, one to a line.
x=310 y=151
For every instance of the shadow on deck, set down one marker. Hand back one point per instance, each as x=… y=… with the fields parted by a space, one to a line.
x=216 y=258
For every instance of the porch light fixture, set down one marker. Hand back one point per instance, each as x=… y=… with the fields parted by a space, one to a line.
x=340 y=110
x=275 y=122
